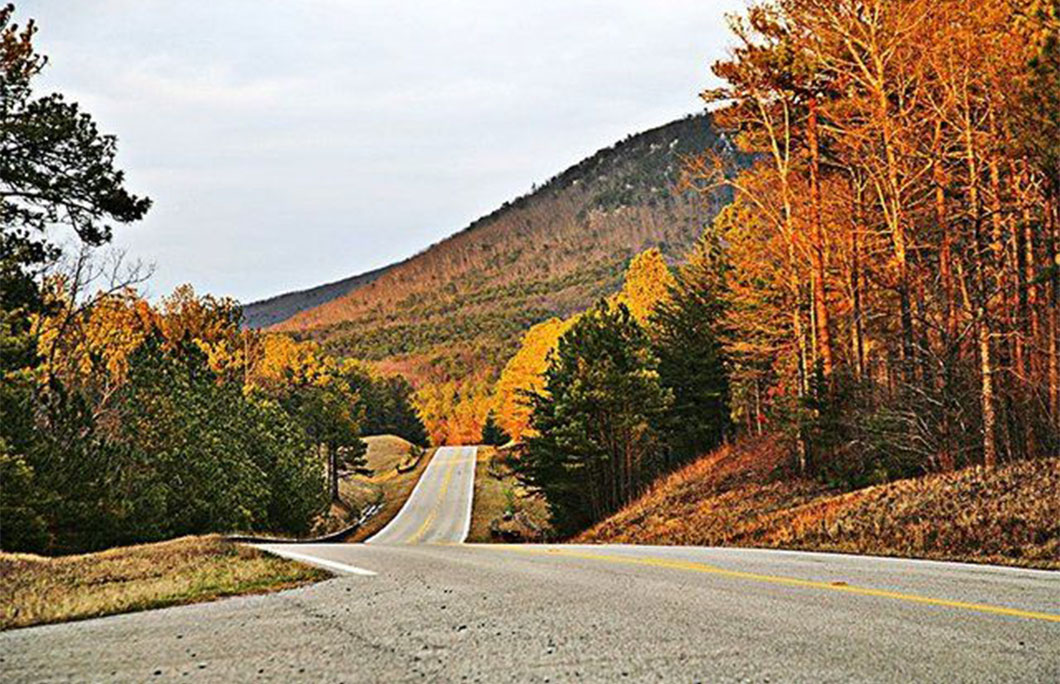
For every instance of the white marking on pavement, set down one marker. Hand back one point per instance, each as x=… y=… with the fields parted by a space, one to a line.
x=470 y=494
x=313 y=560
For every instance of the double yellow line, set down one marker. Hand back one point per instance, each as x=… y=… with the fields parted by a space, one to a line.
x=788 y=581
x=418 y=534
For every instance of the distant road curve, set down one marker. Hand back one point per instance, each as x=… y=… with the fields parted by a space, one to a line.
x=415 y=604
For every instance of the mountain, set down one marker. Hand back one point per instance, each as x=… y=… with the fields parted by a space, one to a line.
x=262 y=314
x=454 y=313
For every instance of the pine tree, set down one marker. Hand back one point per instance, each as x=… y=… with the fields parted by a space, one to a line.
x=691 y=365
x=596 y=440
x=492 y=433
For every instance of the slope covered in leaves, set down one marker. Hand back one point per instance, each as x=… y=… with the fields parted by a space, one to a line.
x=737 y=497
x=458 y=309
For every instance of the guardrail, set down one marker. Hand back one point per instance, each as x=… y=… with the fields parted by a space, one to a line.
x=331 y=537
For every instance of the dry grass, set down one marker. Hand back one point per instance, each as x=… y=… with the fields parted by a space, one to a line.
x=36 y=590
x=1010 y=515
x=490 y=499
x=497 y=491
x=385 y=452
x=386 y=485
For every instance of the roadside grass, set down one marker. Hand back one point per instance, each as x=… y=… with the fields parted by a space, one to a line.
x=384 y=454
x=1009 y=515
x=497 y=492
x=37 y=590
x=385 y=485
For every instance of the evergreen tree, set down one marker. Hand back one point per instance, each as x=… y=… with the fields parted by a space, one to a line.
x=55 y=168
x=690 y=355
x=596 y=424
x=492 y=433
x=389 y=409
x=196 y=455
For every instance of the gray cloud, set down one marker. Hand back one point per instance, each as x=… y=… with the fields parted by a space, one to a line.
x=290 y=143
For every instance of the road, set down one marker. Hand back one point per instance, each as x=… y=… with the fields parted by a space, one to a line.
x=403 y=609
x=439 y=509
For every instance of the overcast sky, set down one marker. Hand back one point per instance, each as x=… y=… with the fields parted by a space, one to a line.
x=290 y=143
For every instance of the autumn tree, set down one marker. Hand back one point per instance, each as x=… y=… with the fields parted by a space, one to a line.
x=647 y=285
x=596 y=439
x=524 y=375
x=56 y=168
x=901 y=211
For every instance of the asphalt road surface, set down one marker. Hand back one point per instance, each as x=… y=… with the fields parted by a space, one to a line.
x=400 y=609
x=439 y=508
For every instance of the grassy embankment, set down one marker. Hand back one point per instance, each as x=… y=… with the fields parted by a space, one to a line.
x=36 y=589
x=736 y=497
x=499 y=499
x=385 y=485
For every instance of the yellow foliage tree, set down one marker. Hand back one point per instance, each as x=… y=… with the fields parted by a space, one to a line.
x=523 y=374
x=280 y=361
x=648 y=282
x=213 y=323
x=454 y=411
x=91 y=341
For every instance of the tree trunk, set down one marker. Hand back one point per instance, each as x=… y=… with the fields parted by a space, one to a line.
x=946 y=249
x=817 y=253
x=1053 y=210
x=857 y=322
x=333 y=469
x=982 y=323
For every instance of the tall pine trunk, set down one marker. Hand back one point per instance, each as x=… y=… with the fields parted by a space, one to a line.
x=817 y=253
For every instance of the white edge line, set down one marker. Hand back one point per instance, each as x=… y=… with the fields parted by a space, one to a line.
x=470 y=495
x=313 y=560
x=412 y=495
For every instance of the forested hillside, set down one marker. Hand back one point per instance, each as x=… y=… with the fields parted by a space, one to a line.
x=451 y=316
x=880 y=300
x=277 y=309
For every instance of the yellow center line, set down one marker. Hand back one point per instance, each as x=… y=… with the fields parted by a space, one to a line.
x=789 y=581
x=437 y=504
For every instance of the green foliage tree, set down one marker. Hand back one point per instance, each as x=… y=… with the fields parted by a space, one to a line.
x=691 y=363
x=55 y=168
x=178 y=451
x=596 y=440
x=389 y=408
x=330 y=414
x=492 y=433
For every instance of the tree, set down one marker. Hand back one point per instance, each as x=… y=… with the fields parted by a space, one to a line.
x=55 y=168
x=691 y=364
x=320 y=393
x=492 y=433
x=524 y=375
x=647 y=285
x=903 y=198
x=389 y=405
x=596 y=440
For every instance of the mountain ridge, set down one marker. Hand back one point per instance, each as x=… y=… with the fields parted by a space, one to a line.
x=266 y=312
x=277 y=309
x=451 y=315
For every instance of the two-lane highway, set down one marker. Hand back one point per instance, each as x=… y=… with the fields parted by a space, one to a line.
x=417 y=605
x=439 y=509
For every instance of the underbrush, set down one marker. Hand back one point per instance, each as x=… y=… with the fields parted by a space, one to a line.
x=737 y=496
